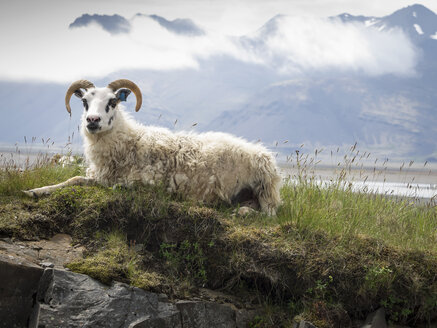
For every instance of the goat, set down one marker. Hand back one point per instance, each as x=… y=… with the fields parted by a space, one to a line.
x=206 y=167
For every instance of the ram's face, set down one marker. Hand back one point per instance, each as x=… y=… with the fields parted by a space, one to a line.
x=100 y=104
x=100 y=108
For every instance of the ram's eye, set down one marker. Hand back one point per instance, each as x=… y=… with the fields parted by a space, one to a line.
x=113 y=102
x=85 y=104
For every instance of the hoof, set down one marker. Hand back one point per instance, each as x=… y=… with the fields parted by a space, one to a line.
x=30 y=193
x=244 y=211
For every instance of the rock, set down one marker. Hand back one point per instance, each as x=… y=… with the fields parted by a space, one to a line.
x=47 y=264
x=138 y=248
x=31 y=296
x=57 y=250
x=303 y=324
x=19 y=281
x=206 y=315
x=376 y=319
x=6 y=240
x=76 y=300
x=245 y=317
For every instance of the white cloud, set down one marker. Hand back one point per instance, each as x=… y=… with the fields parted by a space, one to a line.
x=300 y=44
x=90 y=51
x=303 y=43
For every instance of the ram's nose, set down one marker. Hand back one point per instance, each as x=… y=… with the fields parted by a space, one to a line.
x=93 y=119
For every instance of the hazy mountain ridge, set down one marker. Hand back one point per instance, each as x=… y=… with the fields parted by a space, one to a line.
x=116 y=24
x=113 y=24
x=388 y=114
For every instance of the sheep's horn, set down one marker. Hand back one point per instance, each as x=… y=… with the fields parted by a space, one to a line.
x=80 y=84
x=123 y=83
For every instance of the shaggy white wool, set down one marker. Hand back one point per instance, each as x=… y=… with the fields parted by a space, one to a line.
x=205 y=167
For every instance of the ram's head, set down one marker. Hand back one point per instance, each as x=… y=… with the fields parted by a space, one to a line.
x=100 y=104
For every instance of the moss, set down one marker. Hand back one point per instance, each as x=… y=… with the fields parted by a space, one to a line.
x=117 y=261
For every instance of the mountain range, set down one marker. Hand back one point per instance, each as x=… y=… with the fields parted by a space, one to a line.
x=392 y=115
x=116 y=24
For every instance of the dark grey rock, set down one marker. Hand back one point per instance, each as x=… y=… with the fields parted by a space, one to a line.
x=18 y=288
x=31 y=296
x=173 y=321
x=76 y=300
x=245 y=317
x=376 y=319
x=206 y=315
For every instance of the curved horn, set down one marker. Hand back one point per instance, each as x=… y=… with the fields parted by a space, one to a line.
x=123 y=83
x=80 y=84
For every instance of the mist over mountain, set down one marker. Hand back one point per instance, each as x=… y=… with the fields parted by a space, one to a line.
x=296 y=80
x=389 y=114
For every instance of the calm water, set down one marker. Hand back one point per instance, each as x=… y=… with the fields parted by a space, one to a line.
x=413 y=183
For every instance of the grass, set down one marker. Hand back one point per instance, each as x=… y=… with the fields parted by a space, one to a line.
x=42 y=171
x=116 y=260
x=346 y=214
x=330 y=256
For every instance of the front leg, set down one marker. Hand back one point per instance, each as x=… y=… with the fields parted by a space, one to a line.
x=47 y=190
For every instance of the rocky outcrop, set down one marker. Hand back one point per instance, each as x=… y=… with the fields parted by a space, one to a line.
x=52 y=252
x=205 y=315
x=33 y=296
x=376 y=320
x=303 y=324
x=68 y=299
x=19 y=281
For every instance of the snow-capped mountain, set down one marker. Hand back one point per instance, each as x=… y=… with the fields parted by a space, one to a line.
x=381 y=95
x=417 y=21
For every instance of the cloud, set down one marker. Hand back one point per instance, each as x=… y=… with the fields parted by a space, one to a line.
x=293 y=44
x=296 y=45
x=62 y=55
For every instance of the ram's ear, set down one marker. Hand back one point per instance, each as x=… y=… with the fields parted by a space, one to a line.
x=78 y=93
x=122 y=94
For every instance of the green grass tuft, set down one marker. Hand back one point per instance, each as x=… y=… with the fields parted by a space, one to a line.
x=345 y=214
x=14 y=181
x=116 y=261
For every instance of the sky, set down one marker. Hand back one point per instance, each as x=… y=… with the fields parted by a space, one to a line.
x=37 y=44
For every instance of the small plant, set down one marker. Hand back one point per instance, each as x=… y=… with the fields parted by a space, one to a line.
x=397 y=308
x=186 y=259
x=321 y=289
x=378 y=278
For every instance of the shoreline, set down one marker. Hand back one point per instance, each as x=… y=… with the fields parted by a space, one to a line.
x=426 y=175
x=413 y=181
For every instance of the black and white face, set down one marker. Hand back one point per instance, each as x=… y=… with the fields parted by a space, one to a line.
x=100 y=108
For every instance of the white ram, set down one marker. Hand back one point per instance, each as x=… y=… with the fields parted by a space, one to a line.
x=206 y=167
